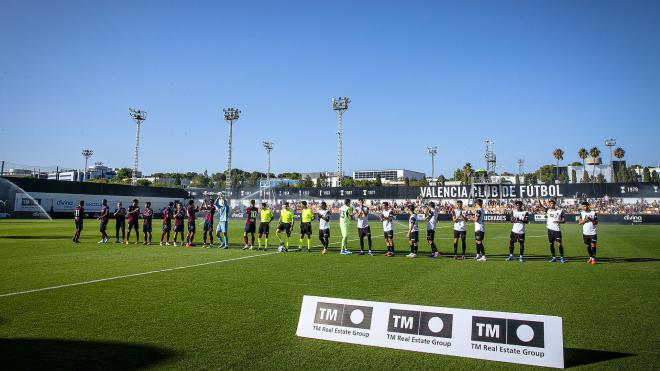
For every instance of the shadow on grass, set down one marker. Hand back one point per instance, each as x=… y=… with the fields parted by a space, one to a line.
x=574 y=357
x=35 y=237
x=40 y=354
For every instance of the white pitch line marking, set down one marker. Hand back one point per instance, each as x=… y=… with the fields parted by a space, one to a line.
x=132 y=275
x=159 y=271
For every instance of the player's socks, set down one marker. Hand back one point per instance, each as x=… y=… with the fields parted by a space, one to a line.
x=300 y=243
x=434 y=249
x=455 y=248
x=510 y=248
x=561 y=249
x=522 y=248
x=552 y=250
x=463 y=247
x=369 y=241
x=265 y=243
x=309 y=244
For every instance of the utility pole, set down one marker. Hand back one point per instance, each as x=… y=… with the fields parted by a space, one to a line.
x=231 y=115
x=138 y=116
x=340 y=105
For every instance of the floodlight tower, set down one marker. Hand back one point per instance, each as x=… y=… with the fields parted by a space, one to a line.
x=521 y=166
x=268 y=146
x=231 y=115
x=491 y=162
x=340 y=105
x=87 y=153
x=432 y=151
x=138 y=116
x=611 y=143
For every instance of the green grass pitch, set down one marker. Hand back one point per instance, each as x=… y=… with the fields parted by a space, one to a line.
x=243 y=313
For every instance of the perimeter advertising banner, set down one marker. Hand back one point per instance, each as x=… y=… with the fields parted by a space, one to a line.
x=498 y=336
x=485 y=191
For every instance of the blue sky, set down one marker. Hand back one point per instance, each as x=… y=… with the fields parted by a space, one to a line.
x=530 y=75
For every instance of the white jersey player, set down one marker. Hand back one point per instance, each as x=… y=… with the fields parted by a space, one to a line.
x=459 y=217
x=589 y=220
x=554 y=217
x=519 y=218
x=387 y=216
x=324 y=226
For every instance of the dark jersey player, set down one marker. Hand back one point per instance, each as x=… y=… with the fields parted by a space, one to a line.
x=103 y=221
x=209 y=212
x=133 y=223
x=78 y=215
x=179 y=216
x=147 y=225
x=250 y=224
x=120 y=222
x=168 y=214
x=190 y=212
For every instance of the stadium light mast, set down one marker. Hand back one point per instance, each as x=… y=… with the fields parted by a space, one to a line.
x=87 y=153
x=340 y=105
x=521 y=165
x=491 y=161
x=231 y=115
x=138 y=116
x=432 y=151
x=611 y=143
x=268 y=146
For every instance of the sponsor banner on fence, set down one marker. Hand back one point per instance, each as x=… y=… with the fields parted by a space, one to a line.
x=498 y=336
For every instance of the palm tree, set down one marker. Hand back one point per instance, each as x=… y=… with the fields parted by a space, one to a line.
x=594 y=152
x=467 y=172
x=619 y=153
x=582 y=154
x=558 y=155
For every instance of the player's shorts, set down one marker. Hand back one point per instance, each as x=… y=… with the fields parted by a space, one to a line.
x=208 y=226
x=133 y=224
x=306 y=229
x=103 y=226
x=222 y=227
x=479 y=235
x=264 y=228
x=167 y=227
x=250 y=227
x=147 y=227
x=364 y=232
x=589 y=239
x=414 y=236
x=79 y=224
x=554 y=236
x=389 y=235
x=324 y=233
x=178 y=227
x=285 y=227
x=517 y=237
x=430 y=234
x=191 y=226
x=120 y=223
x=460 y=234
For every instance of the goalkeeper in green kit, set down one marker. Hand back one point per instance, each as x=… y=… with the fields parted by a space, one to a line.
x=345 y=216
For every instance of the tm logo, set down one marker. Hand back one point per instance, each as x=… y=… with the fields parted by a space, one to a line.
x=343 y=315
x=508 y=331
x=420 y=323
